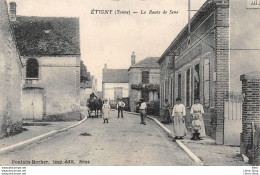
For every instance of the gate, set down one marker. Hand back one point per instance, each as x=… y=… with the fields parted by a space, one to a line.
x=32 y=104
x=233 y=119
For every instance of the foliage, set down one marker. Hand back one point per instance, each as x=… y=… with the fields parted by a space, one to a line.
x=146 y=87
x=153 y=107
x=84 y=75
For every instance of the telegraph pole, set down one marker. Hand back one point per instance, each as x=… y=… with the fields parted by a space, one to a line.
x=188 y=17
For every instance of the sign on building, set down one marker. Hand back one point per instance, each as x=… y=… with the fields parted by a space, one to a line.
x=253 y=4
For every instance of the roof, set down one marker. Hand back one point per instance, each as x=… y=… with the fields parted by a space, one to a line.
x=149 y=62
x=47 y=35
x=115 y=76
x=87 y=84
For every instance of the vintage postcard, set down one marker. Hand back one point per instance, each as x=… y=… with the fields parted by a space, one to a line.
x=129 y=83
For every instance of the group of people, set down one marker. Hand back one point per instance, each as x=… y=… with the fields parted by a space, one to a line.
x=106 y=109
x=120 y=108
x=178 y=119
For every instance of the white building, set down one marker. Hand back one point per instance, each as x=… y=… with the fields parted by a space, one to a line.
x=115 y=83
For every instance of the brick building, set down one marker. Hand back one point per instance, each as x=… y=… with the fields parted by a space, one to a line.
x=50 y=54
x=10 y=77
x=144 y=79
x=115 y=83
x=196 y=64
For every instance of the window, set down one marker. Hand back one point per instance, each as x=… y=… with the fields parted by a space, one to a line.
x=188 y=87
x=196 y=77
x=179 y=85
x=145 y=77
x=32 y=68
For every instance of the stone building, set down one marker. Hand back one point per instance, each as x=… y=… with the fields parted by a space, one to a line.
x=196 y=64
x=115 y=83
x=144 y=79
x=10 y=77
x=50 y=54
x=87 y=88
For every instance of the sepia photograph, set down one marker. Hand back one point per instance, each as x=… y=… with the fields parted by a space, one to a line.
x=130 y=83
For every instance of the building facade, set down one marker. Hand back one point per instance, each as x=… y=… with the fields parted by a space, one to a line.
x=115 y=83
x=10 y=77
x=196 y=65
x=144 y=79
x=87 y=88
x=50 y=54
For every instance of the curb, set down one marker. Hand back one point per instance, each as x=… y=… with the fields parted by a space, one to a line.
x=38 y=138
x=190 y=154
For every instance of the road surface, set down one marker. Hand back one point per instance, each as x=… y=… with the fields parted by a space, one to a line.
x=120 y=142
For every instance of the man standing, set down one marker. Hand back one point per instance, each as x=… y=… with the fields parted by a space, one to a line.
x=143 y=111
x=120 y=107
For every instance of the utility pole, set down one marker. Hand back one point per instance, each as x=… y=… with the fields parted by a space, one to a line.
x=188 y=17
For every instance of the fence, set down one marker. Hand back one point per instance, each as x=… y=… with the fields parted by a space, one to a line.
x=233 y=118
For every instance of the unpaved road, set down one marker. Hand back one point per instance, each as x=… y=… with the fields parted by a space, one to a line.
x=120 y=142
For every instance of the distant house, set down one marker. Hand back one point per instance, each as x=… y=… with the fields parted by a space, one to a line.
x=86 y=88
x=50 y=54
x=115 y=83
x=144 y=80
x=10 y=77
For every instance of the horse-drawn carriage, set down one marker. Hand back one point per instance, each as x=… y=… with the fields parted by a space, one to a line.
x=94 y=105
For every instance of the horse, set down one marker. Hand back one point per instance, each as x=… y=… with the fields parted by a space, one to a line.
x=95 y=105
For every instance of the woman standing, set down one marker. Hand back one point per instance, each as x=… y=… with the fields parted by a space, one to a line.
x=106 y=110
x=166 y=111
x=197 y=110
x=178 y=114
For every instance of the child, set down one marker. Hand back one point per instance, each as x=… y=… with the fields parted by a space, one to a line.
x=196 y=128
x=106 y=110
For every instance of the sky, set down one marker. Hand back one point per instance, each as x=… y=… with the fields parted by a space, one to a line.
x=110 y=38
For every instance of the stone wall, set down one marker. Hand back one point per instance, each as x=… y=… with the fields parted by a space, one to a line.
x=10 y=77
x=59 y=77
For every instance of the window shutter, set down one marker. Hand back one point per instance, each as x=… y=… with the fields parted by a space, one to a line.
x=206 y=81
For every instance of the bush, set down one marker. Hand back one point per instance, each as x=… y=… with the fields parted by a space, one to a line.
x=153 y=107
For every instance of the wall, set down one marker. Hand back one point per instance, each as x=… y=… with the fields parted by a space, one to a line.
x=108 y=90
x=250 y=115
x=60 y=79
x=84 y=95
x=10 y=77
x=244 y=36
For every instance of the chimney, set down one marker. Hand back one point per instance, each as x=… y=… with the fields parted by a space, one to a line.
x=133 y=58
x=12 y=11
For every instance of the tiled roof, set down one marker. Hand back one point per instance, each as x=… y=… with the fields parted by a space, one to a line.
x=149 y=62
x=115 y=76
x=47 y=35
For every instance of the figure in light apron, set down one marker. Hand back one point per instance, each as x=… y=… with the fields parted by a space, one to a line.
x=178 y=114
x=106 y=110
x=197 y=110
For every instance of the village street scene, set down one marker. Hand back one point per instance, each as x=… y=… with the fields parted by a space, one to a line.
x=193 y=102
